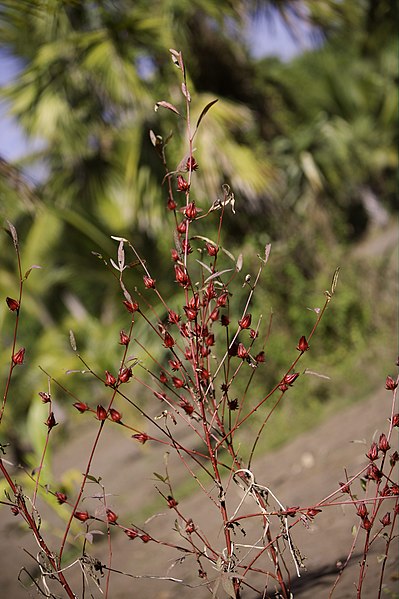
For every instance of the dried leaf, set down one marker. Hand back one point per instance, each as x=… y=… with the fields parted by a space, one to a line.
x=153 y=138
x=217 y=274
x=203 y=113
x=239 y=263
x=72 y=340
x=167 y=105
x=121 y=256
x=228 y=585
x=14 y=234
x=30 y=270
x=334 y=281
x=185 y=92
x=177 y=58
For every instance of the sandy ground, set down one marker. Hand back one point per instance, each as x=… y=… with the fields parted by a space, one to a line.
x=302 y=472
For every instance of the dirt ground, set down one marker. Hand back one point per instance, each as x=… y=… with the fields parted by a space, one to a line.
x=302 y=472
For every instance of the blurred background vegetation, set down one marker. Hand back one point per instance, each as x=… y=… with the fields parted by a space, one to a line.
x=308 y=147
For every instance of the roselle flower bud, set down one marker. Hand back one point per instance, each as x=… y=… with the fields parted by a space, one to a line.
x=245 y=321
x=222 y=299
x=211 y=249
x=111 y=516
x=141 y=437
x=312 y=512
x=224 y=321
x=13 y=304
x=178 y=383
x=182 y=227
x=171 y=502
x=175 y=255
x=253 y=334
x=361 y=510
x=145 y=537
x=163 y=378
x=101 y=413
x=372 y=454
x=168 y=340
x=125 y=375
x=303 y=345
x=394 y=458
x=204 y=374
x=175 y=365
x=131 y=533
x=390 y=384
x=210 y=292
x=190 y=528
x=61 y=497
x=115 y=415
x=50 y=422
x=260 y=357
x=373 y=473
x=232 y=404
x=395 y=420
x=191 y=313
x=288 y=381
x=45 y=397
x=81 y=407
x=171 y=204
x=214 y=315
x=191 y=164
x=241 y=351
x=182 y=184
x=394 y=490
x=185 y=331
x=345 y=488
x=124 y=338
x=110 y=380
x=383 y=444
x=131 y=306
x=366 y=524
x=173 y=317
x=82 y=516
x=149 y=282
x=188 y=354
x=190 y=211
x=386 y=520
x=210 y=340
x=15 y=510
x=18 y=358
x=187 y=407
x=291 y=511
x=181 y=276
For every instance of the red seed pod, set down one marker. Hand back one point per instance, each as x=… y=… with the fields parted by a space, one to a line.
x=186 y=247
x=383 y=444
x=101 y=413
x=288 y=380
x=12 y=304
x=110 y=380
x=312 y=512
x=187 y=407
x=15 y=510
x=131 y=533
x=395 y=420
x=191 y=313
x=61 y=497
x=361 y=510
x=171 y=204
x=210 y=292
x=394 y=458
x=345 y=488
x=45 y=397
x=181 y=276
x=260 y=357
x=204 y=374
x=182 y=227
x=190 y=528
x=175 y=365
x=211 y=249
x=233 y=404
x=210 y=340
x=124 y=338
x=245 y=321
x=173 y=317
x=191 y=164
x=163 y=378
x=175 y=255
x=171 y=502
x=386 y=520
x=81 y=407
x=178 y=383
x=111 y=516
x=394 y=489
x=390 y=384
x=372 y=454
x=125 y=375
x=366 y=524
x=18 y=358
x=222 y=299
x=291 y=511
x=190 y=211
x=303 y=345
x=50 y=422
x=168 y=340
x=204 y=351
x=182 y=184
x=253 y=334
x=115 y=415
x=185 y=331
x=82 y=516
x=373 y=473
x=188 y=354
x=149 y=282
x=145 y=538
x=131 y=306
x=141 y=437
x=214 y=315
x=241 y=351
